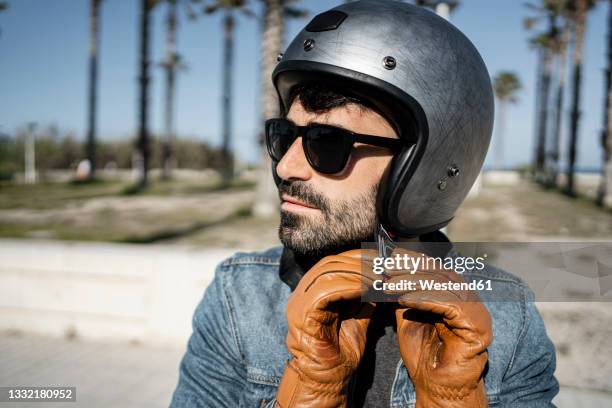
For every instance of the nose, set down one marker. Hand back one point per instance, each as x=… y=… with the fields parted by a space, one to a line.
x=293 y=165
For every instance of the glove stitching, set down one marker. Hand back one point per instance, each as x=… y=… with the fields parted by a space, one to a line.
x=449 y=392
x=338 y=272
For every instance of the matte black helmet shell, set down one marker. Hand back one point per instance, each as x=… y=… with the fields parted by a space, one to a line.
x=424 y=76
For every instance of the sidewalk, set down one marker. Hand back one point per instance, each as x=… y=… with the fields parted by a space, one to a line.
x=127 y=308
x=105 y=374
x=131 y=376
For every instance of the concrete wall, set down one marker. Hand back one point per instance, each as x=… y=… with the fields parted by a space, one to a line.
x=148 y=294
x=103 y=291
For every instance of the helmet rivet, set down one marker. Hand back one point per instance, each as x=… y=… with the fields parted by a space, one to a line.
x=309 y=44
x=442 y=185
x=453 y=171
x=279 y=57
x=389 y=62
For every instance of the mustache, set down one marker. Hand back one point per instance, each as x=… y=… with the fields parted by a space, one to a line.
x=304 y=193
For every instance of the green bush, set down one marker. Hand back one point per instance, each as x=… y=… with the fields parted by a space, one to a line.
x=55 y=151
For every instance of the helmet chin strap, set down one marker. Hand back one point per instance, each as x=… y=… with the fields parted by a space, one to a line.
x=385 y=243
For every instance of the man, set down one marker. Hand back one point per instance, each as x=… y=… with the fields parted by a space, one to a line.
x=387 y=117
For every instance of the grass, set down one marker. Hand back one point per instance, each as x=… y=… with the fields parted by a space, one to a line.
x=71 y=211
x=172 y=232
x=529 y=210
x=110 y=227
x=44 y=196
x=187 y=187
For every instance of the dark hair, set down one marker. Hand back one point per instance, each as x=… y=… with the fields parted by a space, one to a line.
x=321 y=98
x=318 y=97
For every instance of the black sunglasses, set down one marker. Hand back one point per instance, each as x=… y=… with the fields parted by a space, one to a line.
x=327 y=148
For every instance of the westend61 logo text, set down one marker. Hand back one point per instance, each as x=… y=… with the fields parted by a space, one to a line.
x=413 y=264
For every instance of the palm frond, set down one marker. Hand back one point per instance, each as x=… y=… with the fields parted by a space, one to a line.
x=506 y=85
x=533 y=7
x=246 y=11
x=294 y=12
x=530 y=22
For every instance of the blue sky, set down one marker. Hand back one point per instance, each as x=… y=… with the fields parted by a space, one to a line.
x=43 y=68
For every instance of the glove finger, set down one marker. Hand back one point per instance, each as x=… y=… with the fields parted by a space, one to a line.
x=469 y=321
x=413 y=337
x=328 y=285
x=350 y=262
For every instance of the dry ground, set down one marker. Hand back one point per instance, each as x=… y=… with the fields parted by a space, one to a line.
x=203 y=215
x=526 y=212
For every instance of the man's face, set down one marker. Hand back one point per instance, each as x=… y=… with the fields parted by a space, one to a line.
x=323 y=211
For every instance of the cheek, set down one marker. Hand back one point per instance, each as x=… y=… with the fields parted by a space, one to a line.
x=368 y=171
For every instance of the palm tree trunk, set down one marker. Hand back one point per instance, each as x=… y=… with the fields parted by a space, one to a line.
x=143 y=131
x=93 y=85
x=556 y=142
x=543 y=119
x=170 y=66
x=538 y=101
x=228 y=62
x=581 y=8
x=604 y=196
x=266 y=200
x=499 y=139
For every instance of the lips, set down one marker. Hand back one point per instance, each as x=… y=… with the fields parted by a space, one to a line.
x=289 y=199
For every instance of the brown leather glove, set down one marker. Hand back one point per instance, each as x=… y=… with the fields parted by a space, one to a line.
x=443 y=336
x=327 y=333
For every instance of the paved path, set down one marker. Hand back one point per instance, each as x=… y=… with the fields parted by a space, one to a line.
x=105 y=374
x=123 y=375
x=130 y=376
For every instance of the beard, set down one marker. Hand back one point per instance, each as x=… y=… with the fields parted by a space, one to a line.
x=340 y=224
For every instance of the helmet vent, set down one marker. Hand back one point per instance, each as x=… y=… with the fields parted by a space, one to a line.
x=330 y=20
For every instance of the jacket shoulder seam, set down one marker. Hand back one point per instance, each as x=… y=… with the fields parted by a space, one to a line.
x=520 y=336
x=253 y=258
x=509 y=279
x=231 y=316
x=249 y=261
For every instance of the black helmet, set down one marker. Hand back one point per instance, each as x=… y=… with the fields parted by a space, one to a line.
x=426 y=78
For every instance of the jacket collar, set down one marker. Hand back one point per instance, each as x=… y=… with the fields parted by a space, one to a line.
x=294 y=266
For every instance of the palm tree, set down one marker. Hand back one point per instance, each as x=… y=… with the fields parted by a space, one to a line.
x=272 y=32
x=228 y=7
x=560 y=50
x=552 y=53
x=604 y=194
x=93 y=85
x=578 y=11
x=505 y=85
x=442 y=7
x=538 y=96
x=171 y=64
x=143 y=143
x=544 y=43
x=3 y=7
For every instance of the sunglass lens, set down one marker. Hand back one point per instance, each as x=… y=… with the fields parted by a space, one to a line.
x=280 y=135
x=327 y=149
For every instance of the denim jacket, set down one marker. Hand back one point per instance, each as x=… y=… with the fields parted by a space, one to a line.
x=236 y=354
